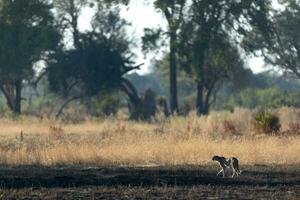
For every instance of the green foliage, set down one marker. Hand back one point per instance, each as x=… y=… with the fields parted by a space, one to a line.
x=27 y=32
x=151 y=40
x=266 y=122
x=278 y=41
x=185 y=84
x=208 y=50
x=98 y=69
x=269 y=98
x=100 y=61
x=163 y=105
x=105 y=104
x=27 y=35
x=172 y=10
x=125 y=2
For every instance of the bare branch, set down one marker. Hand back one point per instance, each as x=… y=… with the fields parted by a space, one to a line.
x=60 y=111
x=128 y=69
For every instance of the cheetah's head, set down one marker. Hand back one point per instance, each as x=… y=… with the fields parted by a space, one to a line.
x=215 y=158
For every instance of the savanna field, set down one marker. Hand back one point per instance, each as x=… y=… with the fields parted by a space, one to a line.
x=189 y=140
x=167 y=158
x=149 y=99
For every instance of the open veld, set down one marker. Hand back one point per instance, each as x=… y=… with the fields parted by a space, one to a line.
x=166 y=158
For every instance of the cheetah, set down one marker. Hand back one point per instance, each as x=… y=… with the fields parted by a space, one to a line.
x=232 y=163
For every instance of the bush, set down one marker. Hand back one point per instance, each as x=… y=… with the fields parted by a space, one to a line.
x=266 y=122
x=106 y=104
x=146 y=108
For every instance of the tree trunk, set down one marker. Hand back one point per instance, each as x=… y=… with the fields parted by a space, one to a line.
x=76 y=38
x=130 y=90
x=18 y=98
x=64 y=105
x=206 y=106
x=173 y=75
x=199 y=100
x=202 y=103
x=135 y=104
x=8 y=96
x=74 y=24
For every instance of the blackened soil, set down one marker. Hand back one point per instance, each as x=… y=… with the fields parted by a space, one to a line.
x=187 y=176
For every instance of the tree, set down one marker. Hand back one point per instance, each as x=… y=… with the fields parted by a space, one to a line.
x=97 y=62
x=173 y=11
x=185 y=85
x=27 y=35
x=210 y=39
x=279 y=42
x=68 y=13
x=221 y=62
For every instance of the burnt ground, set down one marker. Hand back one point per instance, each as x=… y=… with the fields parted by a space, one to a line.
x=181 y=182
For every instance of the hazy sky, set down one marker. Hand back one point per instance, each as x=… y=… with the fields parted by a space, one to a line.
x=142 y=15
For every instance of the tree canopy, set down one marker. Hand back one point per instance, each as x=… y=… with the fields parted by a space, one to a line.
x=27 y=35
x=206 y=43
x=98 y=61
x=279 y=42
x=209 y=52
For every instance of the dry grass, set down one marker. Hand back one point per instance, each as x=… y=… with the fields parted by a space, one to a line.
x=177 y=141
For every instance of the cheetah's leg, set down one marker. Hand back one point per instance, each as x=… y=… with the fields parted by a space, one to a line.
x=220 y=172
x=223 y=172
x=234 y=173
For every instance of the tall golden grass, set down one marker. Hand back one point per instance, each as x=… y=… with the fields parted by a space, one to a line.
x=187 y=140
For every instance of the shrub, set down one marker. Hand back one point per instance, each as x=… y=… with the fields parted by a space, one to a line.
x=106 y=104
x=146 y=108
x=266 y=122
x=162 y=103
